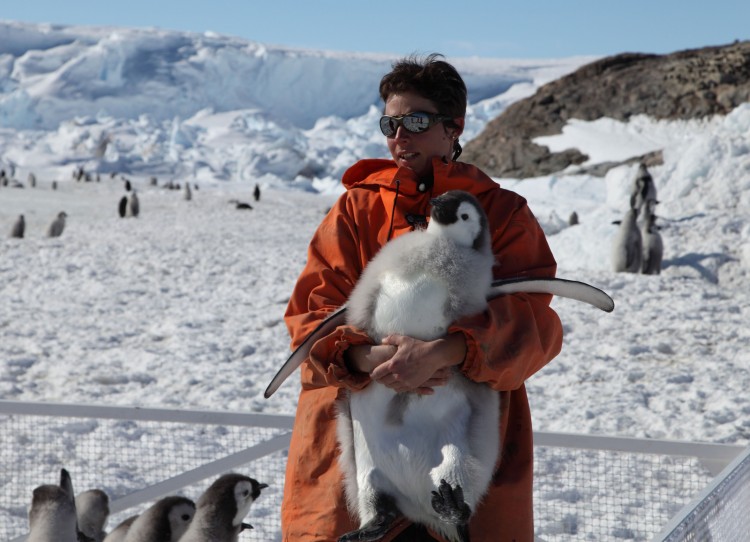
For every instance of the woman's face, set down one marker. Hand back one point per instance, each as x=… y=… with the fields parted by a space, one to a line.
x=416 y=151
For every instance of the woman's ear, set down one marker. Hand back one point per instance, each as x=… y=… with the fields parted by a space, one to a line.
x=456 y=127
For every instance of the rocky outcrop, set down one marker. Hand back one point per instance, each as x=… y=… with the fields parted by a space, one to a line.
x=682 y=85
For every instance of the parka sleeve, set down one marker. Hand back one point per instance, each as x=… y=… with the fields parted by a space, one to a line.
x=332 y=268
x=519 y=333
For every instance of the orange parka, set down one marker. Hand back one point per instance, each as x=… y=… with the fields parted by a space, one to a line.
x=509 y=342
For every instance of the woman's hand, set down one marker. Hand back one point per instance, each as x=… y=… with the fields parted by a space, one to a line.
x=418 y=366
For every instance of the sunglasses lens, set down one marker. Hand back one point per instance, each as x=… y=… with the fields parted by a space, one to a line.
x=388 y=125
x=416 y=122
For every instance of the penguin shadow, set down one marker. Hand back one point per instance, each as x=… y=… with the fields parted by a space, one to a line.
x=695 y=261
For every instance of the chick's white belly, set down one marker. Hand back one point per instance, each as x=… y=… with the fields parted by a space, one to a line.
x=413 y=306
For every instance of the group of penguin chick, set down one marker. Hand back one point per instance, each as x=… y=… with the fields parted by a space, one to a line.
x=58 y=515
x=638 y=246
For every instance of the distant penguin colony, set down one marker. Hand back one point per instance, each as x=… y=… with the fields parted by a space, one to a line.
x=58 y=225
x=221 y=509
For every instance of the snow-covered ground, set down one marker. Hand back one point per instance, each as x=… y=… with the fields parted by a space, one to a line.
x=182 y=307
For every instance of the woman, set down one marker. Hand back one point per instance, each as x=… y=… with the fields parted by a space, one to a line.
x=425 y=106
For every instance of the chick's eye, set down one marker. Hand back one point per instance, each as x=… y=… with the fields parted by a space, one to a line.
x=464 y=217
x=185 y=517
x=245 y=493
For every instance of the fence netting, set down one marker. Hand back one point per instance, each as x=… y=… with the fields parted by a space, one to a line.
x=722 y=513
x=580 y=494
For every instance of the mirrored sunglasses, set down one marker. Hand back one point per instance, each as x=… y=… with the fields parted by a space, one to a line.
x=415 y=123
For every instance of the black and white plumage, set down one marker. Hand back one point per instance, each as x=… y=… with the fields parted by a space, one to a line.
x=19 y=227
x=403 y=453
x=627 y=247
x=221 y=509
x=58 y=225
x=92 y=511
x=52 y=516
x=166 y=520
x=653 y=246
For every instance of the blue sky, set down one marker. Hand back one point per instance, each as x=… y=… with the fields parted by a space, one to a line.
x=490 y=29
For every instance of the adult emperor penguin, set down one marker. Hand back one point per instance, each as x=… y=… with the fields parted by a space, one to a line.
x=92 y=511
x=221 y=509
x=628 y=245
x=166 y=520
x=653 y=246
x=52 y=517
x=429 y=458
x=58 y=225
x=18 y=228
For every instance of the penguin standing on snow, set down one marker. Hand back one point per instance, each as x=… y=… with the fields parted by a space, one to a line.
x=429 y=458
x=628 y=245
x=653 y=246
x=92 y=511
x=134 y=206
x=58 y=225
x=19 y=227
x=52 y=517
x=122 y=207
x=221 y=509
x=166 y=520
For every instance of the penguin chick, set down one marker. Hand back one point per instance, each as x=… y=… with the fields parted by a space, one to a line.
x=58 y=225
x=119 y=533
x=653 y=247
x=628 y=245
x=52 y=517
x=430 y=458
x=134 y=206
x=18 y=228
x=92 y=511
x=122 y=207
x=165 y=521
x=221 y=509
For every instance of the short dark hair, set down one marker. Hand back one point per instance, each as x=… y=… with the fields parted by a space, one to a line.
x=429 y=77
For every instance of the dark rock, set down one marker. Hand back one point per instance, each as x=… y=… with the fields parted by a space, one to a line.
x=684 y=85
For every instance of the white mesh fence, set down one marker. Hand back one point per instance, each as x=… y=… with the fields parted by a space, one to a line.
x=721 y=512
x=586 y=488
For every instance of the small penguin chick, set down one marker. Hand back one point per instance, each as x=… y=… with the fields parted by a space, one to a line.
x=52 y=517
x=92 y=510
x=166 y=520
x=221 y=509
